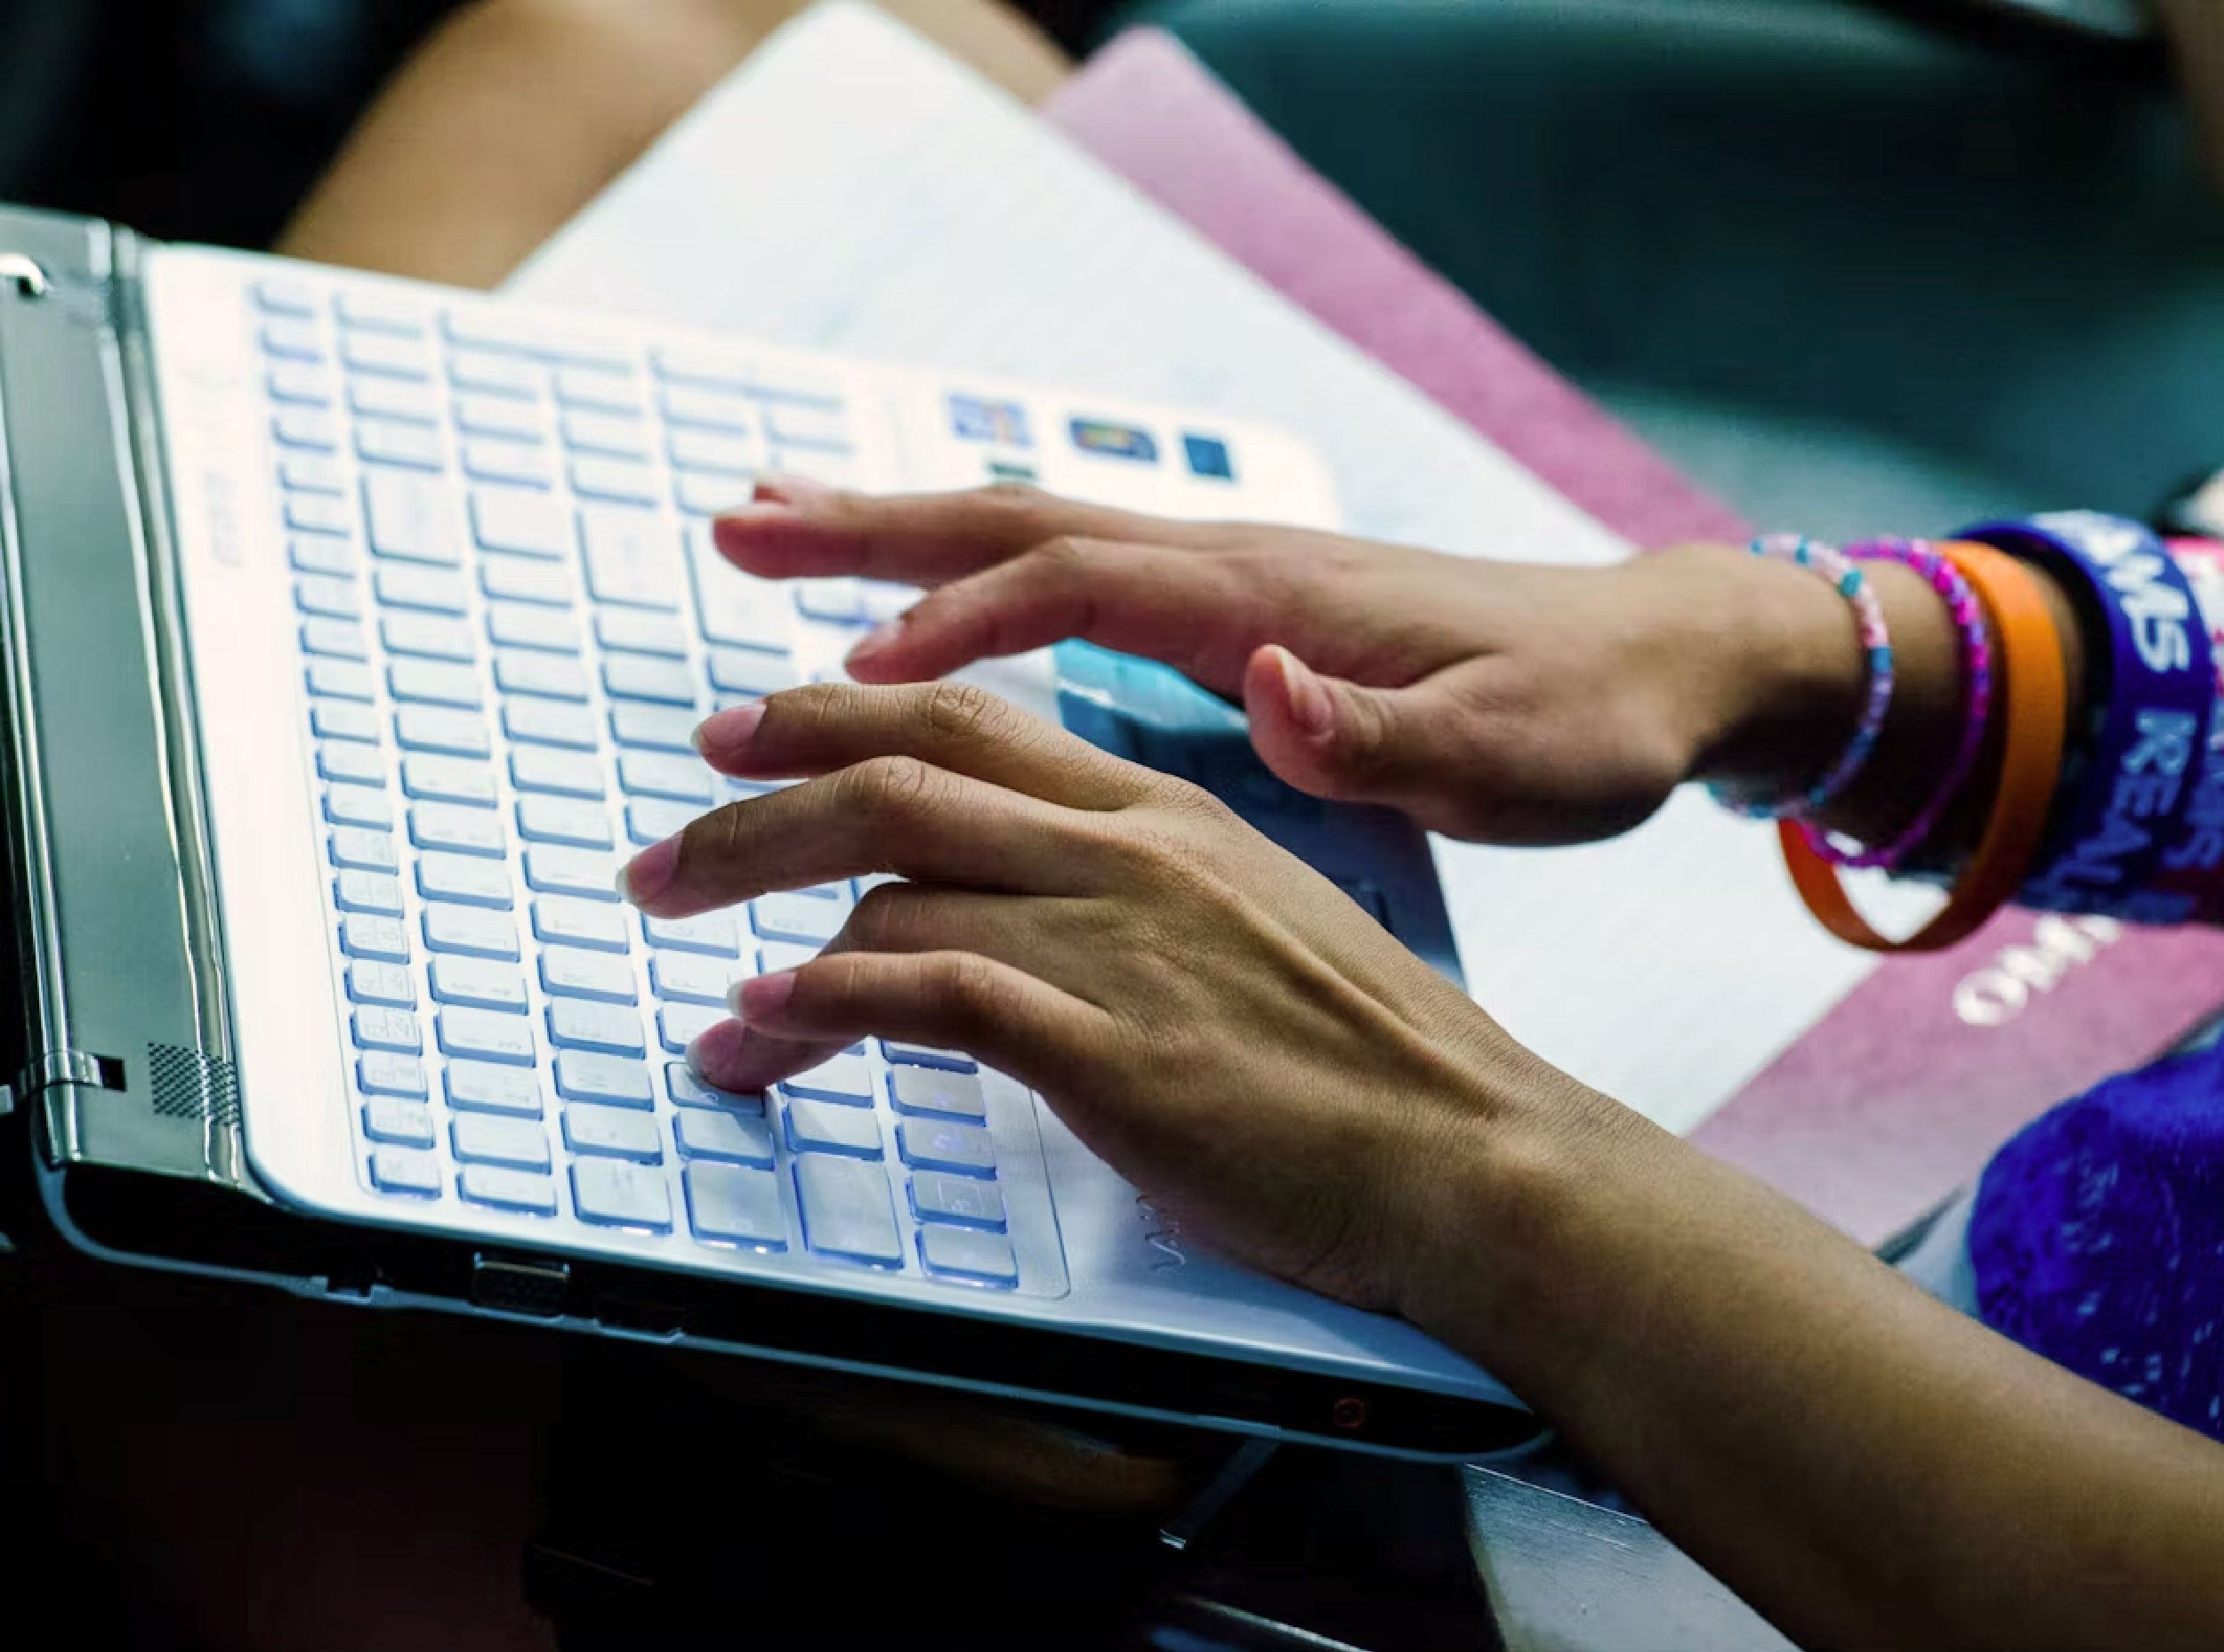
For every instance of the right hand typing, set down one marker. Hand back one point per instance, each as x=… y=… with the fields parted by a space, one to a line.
x=1497 y=701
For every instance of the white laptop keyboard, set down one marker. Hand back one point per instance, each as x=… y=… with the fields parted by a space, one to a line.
x=510 y=618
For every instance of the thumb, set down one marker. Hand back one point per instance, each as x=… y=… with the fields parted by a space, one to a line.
x=1337 y=739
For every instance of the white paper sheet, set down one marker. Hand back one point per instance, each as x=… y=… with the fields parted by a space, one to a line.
x=851 y=188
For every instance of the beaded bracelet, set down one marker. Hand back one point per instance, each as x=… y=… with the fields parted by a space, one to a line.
x=1976 y=677
x=1876 y=645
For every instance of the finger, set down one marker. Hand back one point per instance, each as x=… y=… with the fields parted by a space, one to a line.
x=1169 y=604
x=951 y=1000
x=1336 y=739
x=797 y=527
x=954 y=726
x=892 y=814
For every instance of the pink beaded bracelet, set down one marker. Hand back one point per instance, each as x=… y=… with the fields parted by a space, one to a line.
x=1976 y=679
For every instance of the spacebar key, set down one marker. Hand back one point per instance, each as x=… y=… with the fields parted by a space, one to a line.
x=846 y=1209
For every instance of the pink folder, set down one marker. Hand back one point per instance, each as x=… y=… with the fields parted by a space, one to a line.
x=1899 y=1096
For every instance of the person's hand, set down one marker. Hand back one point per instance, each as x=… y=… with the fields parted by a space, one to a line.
x=1490 y=700
x=1207 y=1013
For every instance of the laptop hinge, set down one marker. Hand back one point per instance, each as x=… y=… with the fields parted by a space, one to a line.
x=68 y=1067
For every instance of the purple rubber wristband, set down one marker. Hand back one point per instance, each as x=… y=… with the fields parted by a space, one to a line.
x=2152 y=695
x=1977 y=679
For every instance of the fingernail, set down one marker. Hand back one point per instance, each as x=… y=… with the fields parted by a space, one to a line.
x=728 y=734
x=649 y=872
x=1309 y=705
x=762 y=997
x=874 y=641
x=782 y=489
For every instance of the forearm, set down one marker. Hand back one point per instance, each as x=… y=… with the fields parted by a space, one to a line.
x=1865 y=1466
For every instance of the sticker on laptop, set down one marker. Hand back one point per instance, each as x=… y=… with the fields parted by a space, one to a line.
x=1116 y=442
x=1006 y=471
x=1209 y=458
x=976 y=418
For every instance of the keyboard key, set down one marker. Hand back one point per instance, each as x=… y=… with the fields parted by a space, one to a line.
x=466 y=880
x=299 y=383
x=688 y=1091
x=344 y=720
x=381 y=983
x=550 y=675
x=843 y=1078
x=650 y=820
x=568 y=972
x=406 y=1169
x=636 y=677
x=824 y=1127
x=619 y=1193
x=367 y=892
x=334 y=639
x=655 y=728
x=937 y=1091
x=492 y=459
x=487 y=1035
x=384 y=353
x=427 y=636
x=477 y=1087
x=714 y=1133
x=357 y=806
x=631 y=557
x=711 y=933
x=564 y=774
x=922 y=1055
x=655 y=774
x=619 y=481
x=828 y=467
x=478 y=983
x=807 y=920
x=736 y=609
x=959 y=1201
x=494 y=327
x=332 y=599
x=846 y=1210
x=598 y=388
x=582 y=1075
x=563 y=820
x=500 y=415
x=457 y=828
x=499 y=375
x=386 y=441
x=429 y=683
x=639 y=631
x=546 y=722
x=706 y=407
x=313 y=473
x=601 y=1028
x=754 y=673
x=579 y=923
x=834 y=601
x=410 y=517
x=608 y=434
x=616 y=1132
x=777 y=955
x=552 y=869
x=521 y=522
x=275 y=295
x=432 y=589
x=318 y=513
x=792 y=426
x=447 y=781
x=489 y=1139
x=314 y=553
x=728 y=1204
x=513 y=625
x=720 y=451
x=393 y=399
x=374 y=1027
x=382 y=312
x=529 y=1191
x=687 y=978
x=380 y=1073
x=471 y=931
x=432 y=729
x=521 y=579
x=703 y=493
x=343 y=680
x=382 y=940
x=679 y=1025
x=968 y=1255
x=961 y=1149
x=356 y=848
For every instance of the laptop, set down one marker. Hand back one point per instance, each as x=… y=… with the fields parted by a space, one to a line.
x=354 y=629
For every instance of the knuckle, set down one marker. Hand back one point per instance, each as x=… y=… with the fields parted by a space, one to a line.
x=1065 y=556
x=960 y=714
x=887 y=916
x=1014 y=499
x=970 y=991
x=891 y=789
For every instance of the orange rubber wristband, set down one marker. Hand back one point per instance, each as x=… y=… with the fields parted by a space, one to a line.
x=2033 y=701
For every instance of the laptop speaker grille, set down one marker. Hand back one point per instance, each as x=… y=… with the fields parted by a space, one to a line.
x=189 y=1085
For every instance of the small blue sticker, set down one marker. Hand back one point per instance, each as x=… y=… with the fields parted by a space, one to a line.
x=1116 y=442
x=975 y=418
x=1209 y=457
